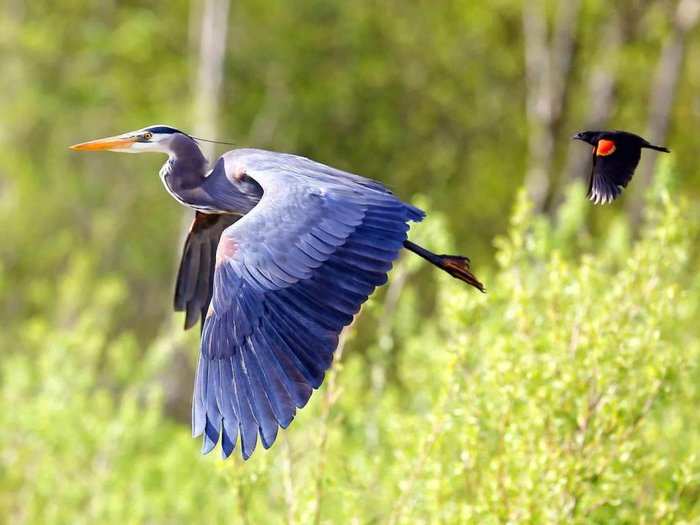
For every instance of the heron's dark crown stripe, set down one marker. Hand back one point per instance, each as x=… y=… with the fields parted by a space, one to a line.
x=164 y=129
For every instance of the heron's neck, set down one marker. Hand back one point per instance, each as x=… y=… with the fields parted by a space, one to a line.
x=186 y=166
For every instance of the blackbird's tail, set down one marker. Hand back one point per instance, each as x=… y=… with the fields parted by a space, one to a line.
x=657 y=148
x=456 y=265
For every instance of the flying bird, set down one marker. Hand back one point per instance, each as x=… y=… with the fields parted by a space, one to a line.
x=615 y=157
x=280 y=256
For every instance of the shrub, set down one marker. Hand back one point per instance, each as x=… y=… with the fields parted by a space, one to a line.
x=566 y=394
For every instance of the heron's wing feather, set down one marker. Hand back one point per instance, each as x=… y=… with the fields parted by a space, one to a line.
x=324 y=174
x=195 y=275
x=289 y=276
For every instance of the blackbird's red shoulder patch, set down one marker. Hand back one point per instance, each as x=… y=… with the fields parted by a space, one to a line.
x=605 y=147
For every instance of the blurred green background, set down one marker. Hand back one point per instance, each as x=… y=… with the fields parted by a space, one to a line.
x=567 y=394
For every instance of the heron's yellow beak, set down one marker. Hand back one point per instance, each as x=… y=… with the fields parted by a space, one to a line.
x=109 y=143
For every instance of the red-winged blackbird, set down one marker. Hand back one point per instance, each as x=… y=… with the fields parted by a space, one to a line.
x=615 y=157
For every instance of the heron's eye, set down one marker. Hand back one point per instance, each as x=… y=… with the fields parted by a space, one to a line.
x=147 y=136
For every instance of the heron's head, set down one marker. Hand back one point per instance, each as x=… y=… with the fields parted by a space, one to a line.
x=587 y=136
x=152 y=138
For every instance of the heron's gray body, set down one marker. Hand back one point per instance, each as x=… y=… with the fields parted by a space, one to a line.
x=185 y=177
x=282 y=253
x=312 y=244
x=229 y=186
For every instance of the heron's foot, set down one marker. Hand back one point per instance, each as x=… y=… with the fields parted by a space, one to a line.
x=459 y=268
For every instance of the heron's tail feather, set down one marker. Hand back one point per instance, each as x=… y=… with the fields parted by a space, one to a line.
x=456 y=265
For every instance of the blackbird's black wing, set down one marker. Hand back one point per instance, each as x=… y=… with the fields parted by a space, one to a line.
x=194 y=283
x=610 y=173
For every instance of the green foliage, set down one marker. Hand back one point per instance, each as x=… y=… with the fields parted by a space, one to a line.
x=427 y=98
x=566 y=394
x=569 y=387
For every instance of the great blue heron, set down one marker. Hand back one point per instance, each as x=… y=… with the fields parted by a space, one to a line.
x=282 y=253
x=615 y=157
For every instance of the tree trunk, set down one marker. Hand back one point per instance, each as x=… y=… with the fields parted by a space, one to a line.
x=548 y=69
x=178 y=377
x=210 y=73
x=664 y=88
x=600 y=100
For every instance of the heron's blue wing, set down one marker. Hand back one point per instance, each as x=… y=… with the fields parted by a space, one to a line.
x=289 y=276
x=193 y=286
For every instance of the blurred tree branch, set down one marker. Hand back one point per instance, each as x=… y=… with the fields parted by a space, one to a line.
x=548 y=70
x=601 y=95
x=207 y=93
x=663 y=92
x=210 y=73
